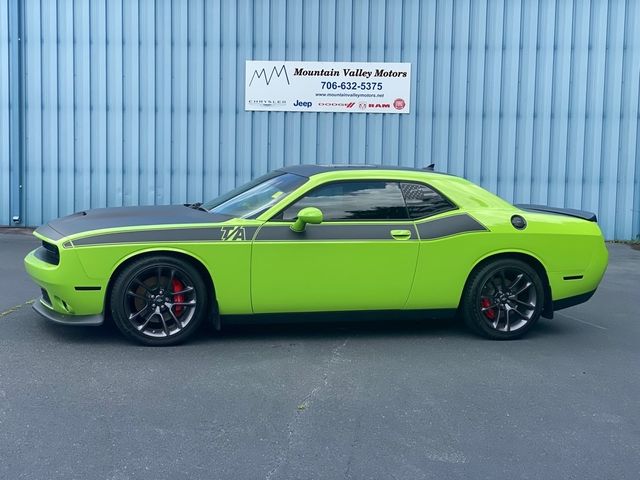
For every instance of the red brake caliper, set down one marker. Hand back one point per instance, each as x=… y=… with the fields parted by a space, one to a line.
x=177 y=286
x=490 y=313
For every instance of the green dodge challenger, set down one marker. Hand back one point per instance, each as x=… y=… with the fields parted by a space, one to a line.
x=313 y=238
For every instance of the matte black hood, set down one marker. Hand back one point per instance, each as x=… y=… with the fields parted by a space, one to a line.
x=119 y=217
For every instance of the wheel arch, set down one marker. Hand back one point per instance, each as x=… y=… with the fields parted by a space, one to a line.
x=196 y=262
x=530 y=260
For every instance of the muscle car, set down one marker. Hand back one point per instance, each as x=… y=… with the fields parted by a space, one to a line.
x=313 y=238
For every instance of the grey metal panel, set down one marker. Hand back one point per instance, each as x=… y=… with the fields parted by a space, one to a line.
x=141 y=101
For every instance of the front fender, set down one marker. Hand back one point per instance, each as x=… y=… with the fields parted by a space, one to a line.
x=227 y=263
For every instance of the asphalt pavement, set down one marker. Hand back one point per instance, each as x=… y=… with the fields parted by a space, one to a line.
x=381 y=400
x=15 y=286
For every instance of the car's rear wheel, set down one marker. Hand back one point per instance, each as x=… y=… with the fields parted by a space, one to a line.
x=503 y=299
x=159 y=300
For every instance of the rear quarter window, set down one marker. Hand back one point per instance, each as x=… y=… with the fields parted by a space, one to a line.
x=423 y=201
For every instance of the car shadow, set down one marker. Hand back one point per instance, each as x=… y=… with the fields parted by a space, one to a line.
x=325 y=329
x=451 y=328
x=330 y=329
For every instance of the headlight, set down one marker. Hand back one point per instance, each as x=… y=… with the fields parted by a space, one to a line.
x=49 y=253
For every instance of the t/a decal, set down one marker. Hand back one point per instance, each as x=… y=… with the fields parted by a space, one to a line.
x=232 y=233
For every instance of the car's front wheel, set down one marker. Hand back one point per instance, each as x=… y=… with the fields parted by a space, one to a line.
x=503 y=299
x=159 y=300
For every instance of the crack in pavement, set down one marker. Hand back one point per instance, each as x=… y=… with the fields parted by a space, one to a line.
x=354 y=443
x=575 y=319
x=16 y=308
x=307 y=401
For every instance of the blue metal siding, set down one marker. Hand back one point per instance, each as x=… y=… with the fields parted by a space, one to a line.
x=5 y=214
x=141 y=101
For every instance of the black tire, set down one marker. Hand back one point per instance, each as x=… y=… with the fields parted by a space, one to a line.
x=146 y=287
x=491 y=305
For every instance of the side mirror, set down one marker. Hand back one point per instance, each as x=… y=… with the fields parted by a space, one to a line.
x=310 y=215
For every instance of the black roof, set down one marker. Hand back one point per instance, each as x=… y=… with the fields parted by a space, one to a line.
x=308 y=170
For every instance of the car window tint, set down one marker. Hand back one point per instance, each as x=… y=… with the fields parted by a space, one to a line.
x=422 y=201
x=358 y=200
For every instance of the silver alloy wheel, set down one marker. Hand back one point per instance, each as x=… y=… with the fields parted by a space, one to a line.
x=160 y=301
x=508 y=300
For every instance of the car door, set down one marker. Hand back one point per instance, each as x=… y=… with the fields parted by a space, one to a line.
x=361 y=257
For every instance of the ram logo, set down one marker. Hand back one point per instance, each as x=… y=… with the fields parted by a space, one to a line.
x=232 y=233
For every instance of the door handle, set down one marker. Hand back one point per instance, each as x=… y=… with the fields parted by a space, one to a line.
x=401 y=234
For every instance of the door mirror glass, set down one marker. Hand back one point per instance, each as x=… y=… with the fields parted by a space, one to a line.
x=310 y=215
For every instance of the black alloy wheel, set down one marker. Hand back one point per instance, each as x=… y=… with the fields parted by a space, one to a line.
x=159 y=300
x=503 y=299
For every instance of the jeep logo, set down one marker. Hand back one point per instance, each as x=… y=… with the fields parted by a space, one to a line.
x=300 y=103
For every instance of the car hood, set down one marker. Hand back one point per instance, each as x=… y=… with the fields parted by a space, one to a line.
x=121 y=217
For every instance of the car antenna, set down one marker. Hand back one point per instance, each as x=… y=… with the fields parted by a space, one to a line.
x=430 y=168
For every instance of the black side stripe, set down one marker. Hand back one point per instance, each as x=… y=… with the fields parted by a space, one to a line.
x=346 y=231
x=429 y=230
x=447 y=226
x=213 y=234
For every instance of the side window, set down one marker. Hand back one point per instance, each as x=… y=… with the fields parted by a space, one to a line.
x=357 y=200
x=422 y=201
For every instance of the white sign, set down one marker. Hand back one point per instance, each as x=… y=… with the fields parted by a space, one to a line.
x=327 y=87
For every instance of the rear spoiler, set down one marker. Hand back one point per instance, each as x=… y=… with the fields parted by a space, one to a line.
x=570 y=212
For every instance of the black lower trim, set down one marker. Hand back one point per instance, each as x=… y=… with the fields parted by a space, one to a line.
x=84 y=289
x=55 y=317
x=571 y=301
x=340 y=316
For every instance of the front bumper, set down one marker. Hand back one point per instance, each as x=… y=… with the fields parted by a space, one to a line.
x=56 y=317
x=67 y=290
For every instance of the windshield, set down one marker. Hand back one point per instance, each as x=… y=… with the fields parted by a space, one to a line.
x=253 y=198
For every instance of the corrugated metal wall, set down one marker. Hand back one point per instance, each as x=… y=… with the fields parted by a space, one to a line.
x=4 y=116
x=141 y=101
